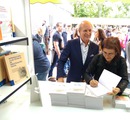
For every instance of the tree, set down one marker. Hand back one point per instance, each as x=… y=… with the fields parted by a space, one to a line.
x=106 y=9
x=85 y=9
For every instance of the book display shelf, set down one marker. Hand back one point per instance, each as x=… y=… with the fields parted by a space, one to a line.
x=16 y=40
x=7 y=90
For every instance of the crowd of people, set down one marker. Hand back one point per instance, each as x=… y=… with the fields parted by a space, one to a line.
x=81 y=53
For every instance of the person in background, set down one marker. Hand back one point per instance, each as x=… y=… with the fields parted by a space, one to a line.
x=58 y=45
x=41 y=62
x=44 y=32
x=108 y=32
x=39 y=37
x=111 y=60
x=127 y=36
x=128 y=60
x=99 y=37
x=67 y=35
x=75 y=34
x=80 y=52
x=121 y=37
x=128 y=54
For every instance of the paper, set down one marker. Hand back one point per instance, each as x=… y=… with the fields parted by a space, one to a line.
x=107 y=82
x=109 y=79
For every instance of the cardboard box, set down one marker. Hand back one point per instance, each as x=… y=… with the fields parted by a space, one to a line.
x=2 y=71
x=16 y=68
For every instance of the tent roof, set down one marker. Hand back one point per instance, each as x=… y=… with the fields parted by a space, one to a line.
x=61 y=1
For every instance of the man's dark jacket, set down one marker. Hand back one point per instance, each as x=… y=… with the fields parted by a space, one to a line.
x=73 y=51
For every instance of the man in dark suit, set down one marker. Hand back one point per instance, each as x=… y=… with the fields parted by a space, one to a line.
x=80 y=53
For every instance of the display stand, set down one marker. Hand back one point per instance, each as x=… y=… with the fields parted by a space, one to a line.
x=6 y=90
x=35 y=93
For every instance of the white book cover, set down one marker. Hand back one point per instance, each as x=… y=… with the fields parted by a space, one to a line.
x=107 y=82
x=76 y=87
x=58 y=88
x=122 y=101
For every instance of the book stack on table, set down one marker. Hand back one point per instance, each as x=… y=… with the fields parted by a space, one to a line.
x=58 y=94
x=92 y=101
x=75 y=93
x=123 y=101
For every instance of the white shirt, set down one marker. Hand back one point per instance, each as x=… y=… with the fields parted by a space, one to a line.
x=84 y=50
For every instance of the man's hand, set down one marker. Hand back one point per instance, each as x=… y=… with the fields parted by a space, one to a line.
x=61 y=79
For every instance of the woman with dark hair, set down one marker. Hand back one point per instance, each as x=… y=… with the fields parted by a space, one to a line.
x=75 y=35
x=111 y=60
x=99 y=37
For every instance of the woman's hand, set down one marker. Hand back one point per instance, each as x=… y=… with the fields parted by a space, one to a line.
x=115 y=91
x=93 y=83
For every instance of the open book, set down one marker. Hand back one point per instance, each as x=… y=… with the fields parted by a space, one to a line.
x=107 y=82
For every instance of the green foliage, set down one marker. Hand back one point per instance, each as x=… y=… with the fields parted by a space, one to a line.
x=105 y=11
x=95 y=9
x=85 y=9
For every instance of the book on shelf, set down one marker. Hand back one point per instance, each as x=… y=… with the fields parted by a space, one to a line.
x=3 y=75
x=4 y=52
x=1 y=33
x=16 y=68
x=107 y=81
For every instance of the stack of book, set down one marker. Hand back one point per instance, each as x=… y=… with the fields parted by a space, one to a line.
x=122 y=101
x=127 y=93
x=108 y=101
x=75 y=93
x=92 y=101
x=58 y=94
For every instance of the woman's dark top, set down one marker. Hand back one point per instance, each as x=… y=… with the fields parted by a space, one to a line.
x=117 y=66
